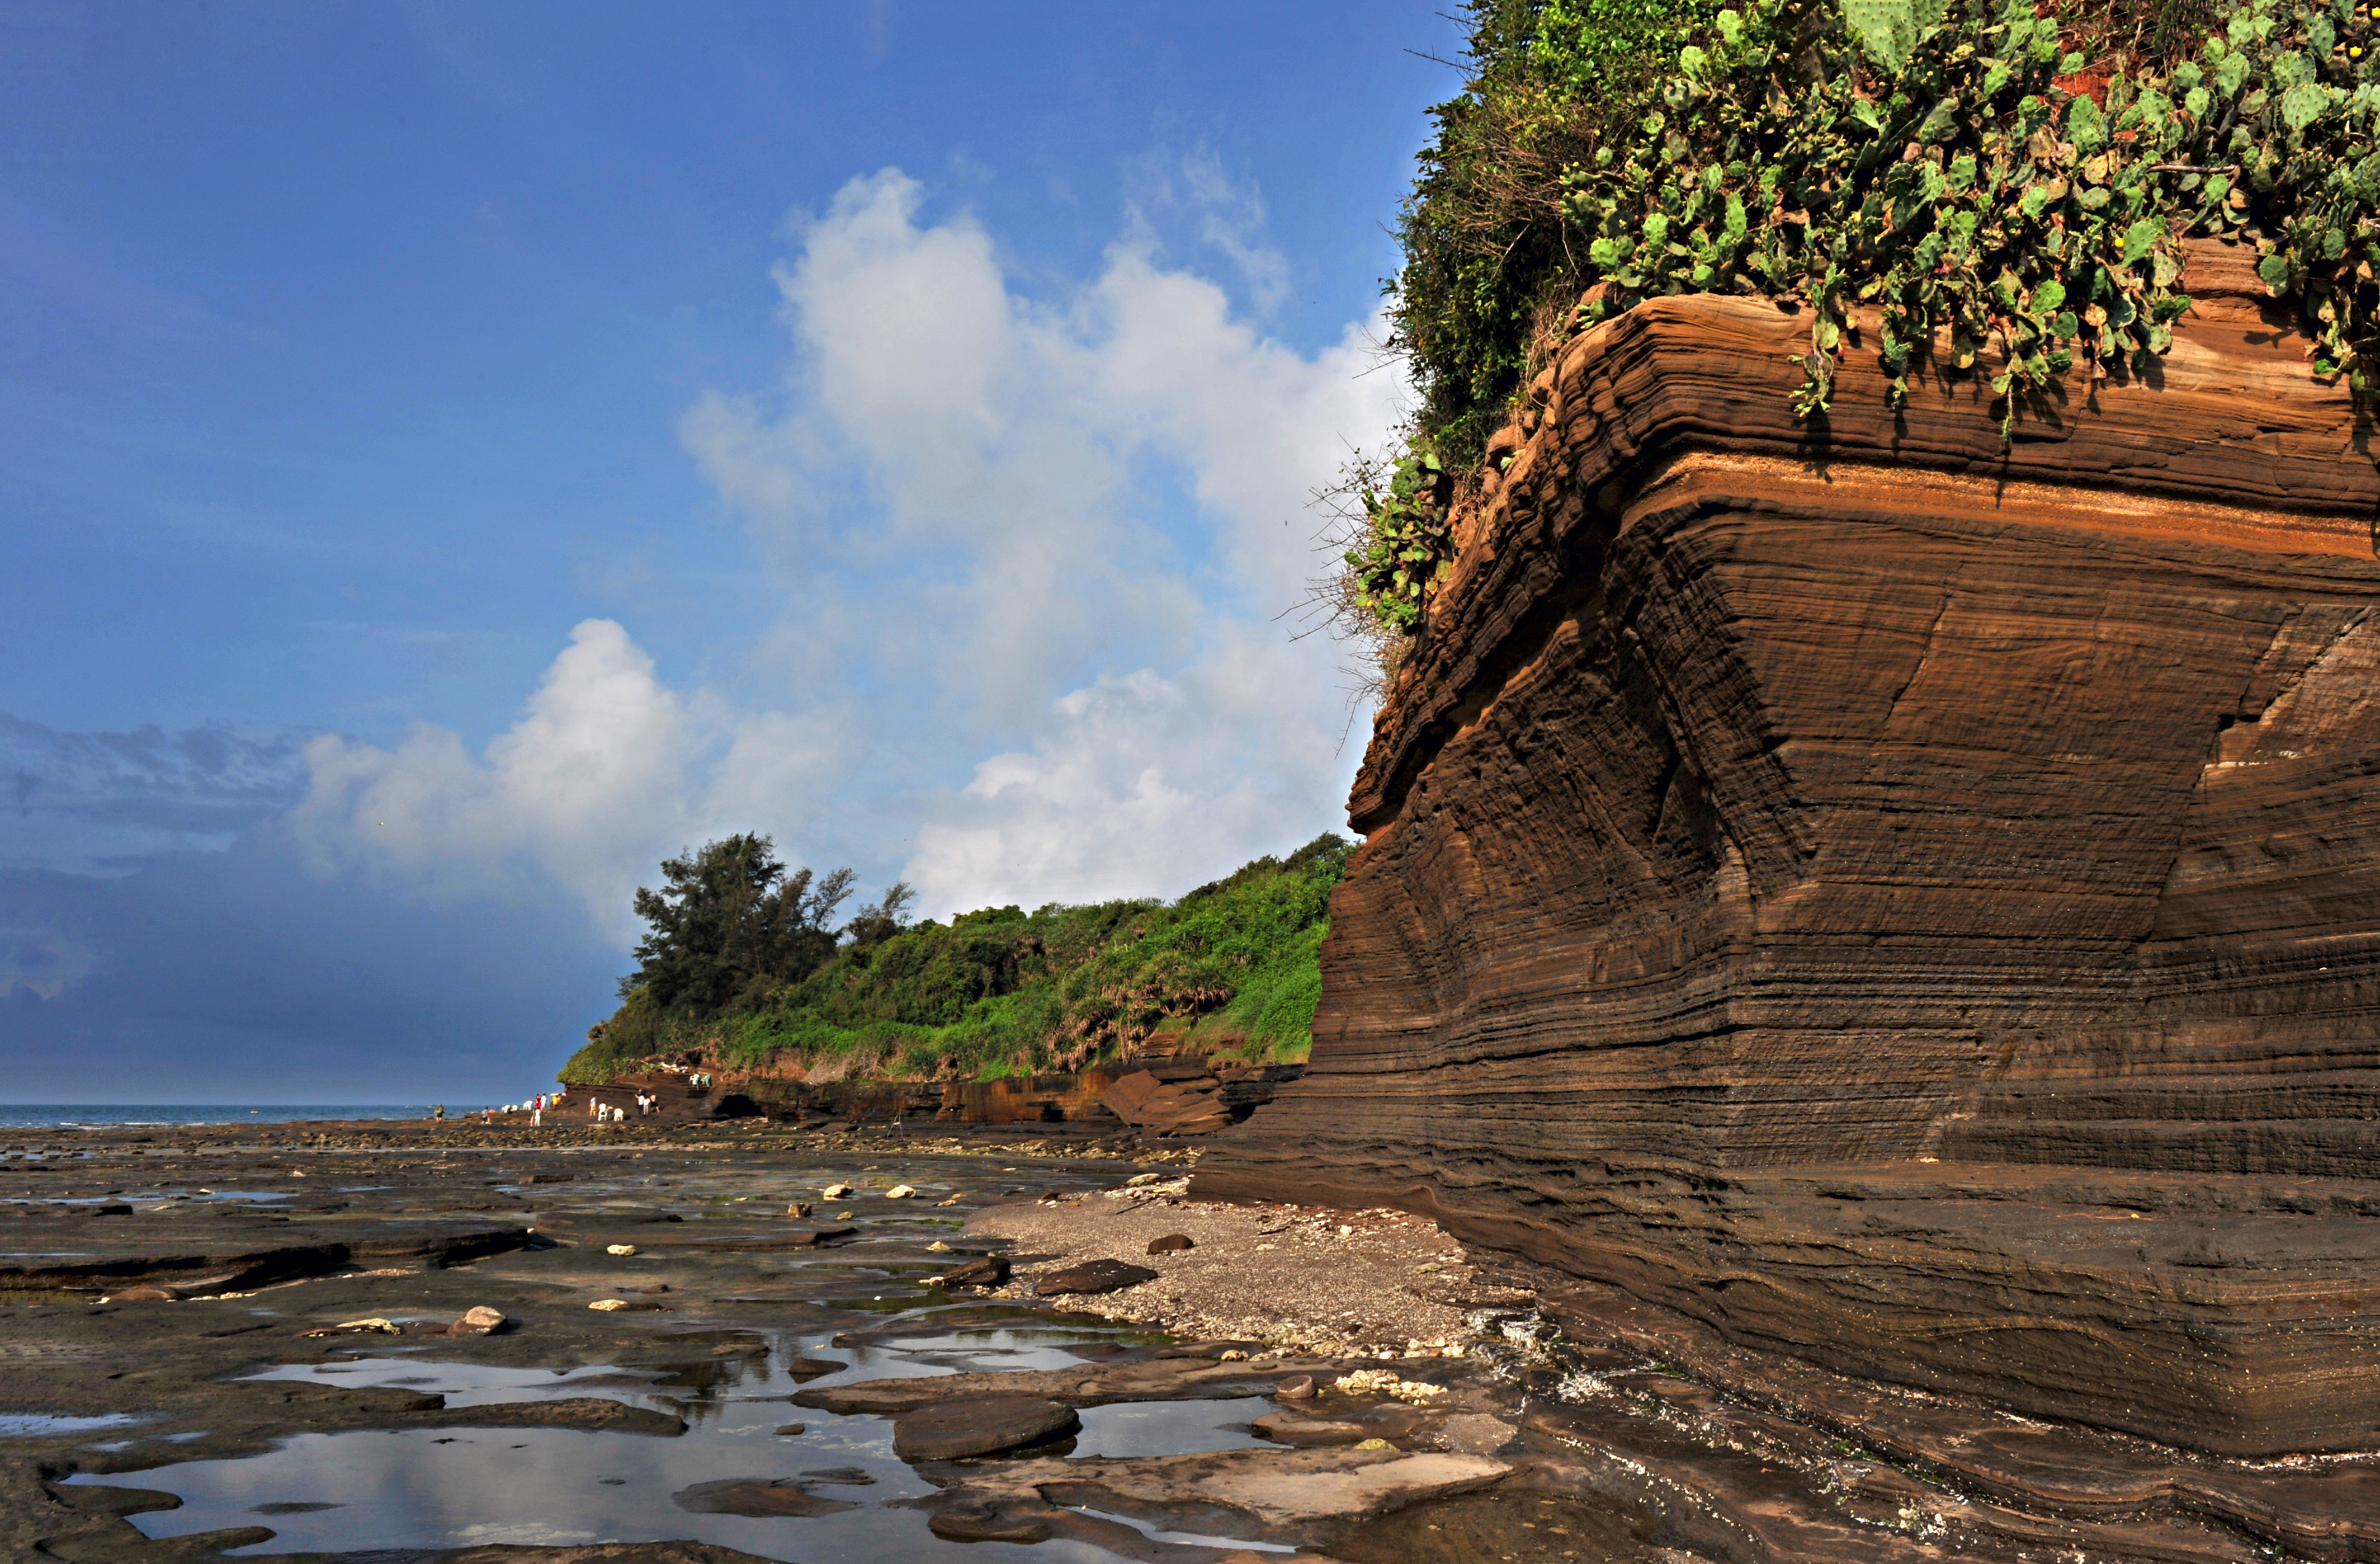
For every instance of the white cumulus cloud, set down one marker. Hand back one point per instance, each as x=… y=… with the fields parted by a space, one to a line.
x=593 y=779
x=1031 y=549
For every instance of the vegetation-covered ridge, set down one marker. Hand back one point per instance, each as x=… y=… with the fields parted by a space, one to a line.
x=2011 y=178
x=739 y=973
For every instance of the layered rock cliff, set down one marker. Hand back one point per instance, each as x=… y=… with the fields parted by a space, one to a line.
x=1890 y=900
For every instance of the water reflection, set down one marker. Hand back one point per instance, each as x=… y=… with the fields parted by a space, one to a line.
x=453 y=1487
x=463 y=1385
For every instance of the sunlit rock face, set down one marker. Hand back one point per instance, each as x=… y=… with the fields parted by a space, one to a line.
x=1891 y=899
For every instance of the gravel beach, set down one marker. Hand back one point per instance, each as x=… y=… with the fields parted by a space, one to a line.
x=1354 y=1284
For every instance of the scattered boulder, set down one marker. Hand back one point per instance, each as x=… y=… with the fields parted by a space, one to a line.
x=802 y=1369
x=799 y=1208
x=479 y=1320
x=1297 y=1387
x=623 y=1250
x=1385 y=1382
x=1171 y=1243
x=790 y=1429
x=902 y=1192
x=759 y=1497
x=1141 y=1181
x=358 y=1328
x=835 y=1192
x=985 y=1522
x=141 y=1295
x=990 y=1271
x=954 y=1430
x=841 y=1476
x=609 y=1305
x=937 y=1247
x=1094 y=1276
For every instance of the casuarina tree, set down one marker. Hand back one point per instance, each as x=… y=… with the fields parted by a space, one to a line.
x=730 y=922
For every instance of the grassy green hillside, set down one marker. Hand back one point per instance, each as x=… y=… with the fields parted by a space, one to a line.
x=1002 y=991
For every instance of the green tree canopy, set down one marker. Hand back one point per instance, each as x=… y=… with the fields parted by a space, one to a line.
x=729 y=923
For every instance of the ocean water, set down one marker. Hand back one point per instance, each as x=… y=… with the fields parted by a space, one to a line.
x=47 y=1116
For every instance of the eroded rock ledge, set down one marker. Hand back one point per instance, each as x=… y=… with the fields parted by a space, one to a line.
x=1890 y=900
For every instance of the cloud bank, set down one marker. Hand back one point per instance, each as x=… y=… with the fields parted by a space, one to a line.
x=1031 y=550
x=1029 y=545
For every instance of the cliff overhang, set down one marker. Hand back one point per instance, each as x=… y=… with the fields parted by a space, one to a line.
x=1897 y=898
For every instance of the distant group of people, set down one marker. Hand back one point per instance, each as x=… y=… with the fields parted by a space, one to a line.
x=607 y=1114
x=647 y=1103
x=535 y=1108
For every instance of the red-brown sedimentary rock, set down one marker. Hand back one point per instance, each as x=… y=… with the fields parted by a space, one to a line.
x=1891 y=898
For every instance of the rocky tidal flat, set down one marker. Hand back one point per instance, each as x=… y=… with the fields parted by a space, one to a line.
x=431 y=1342
x=216 y=1343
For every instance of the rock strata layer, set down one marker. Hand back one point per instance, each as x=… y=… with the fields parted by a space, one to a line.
x=1890 y=898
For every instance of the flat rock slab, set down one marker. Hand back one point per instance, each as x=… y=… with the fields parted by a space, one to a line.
x=1294 y=1428
x=954 y=1430
x=1093 y=1275
x=186 y=1274
x=1282 y=1495
x=759 y=1497
x=1089 y=1386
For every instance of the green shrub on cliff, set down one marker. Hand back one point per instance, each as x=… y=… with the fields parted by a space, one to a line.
x=1002 y=991
x=2011 y=180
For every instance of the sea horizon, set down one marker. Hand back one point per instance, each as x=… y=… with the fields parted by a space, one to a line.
x=68 y=1115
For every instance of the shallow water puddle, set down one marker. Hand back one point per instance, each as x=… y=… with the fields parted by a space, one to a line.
x=464 y=1385
x=960 y=1351
x=455 y=1488
x=1156 y=1428
x=46 y=1426
x=458 y=1488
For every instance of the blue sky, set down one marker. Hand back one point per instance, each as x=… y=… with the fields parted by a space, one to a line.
x=450 y=456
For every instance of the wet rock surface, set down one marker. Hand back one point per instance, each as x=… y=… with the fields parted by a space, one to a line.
x=669 y=1431
x=954 y=1430
x=990 y=1271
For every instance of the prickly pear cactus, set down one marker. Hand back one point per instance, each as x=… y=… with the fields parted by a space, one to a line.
x=1888 y=28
